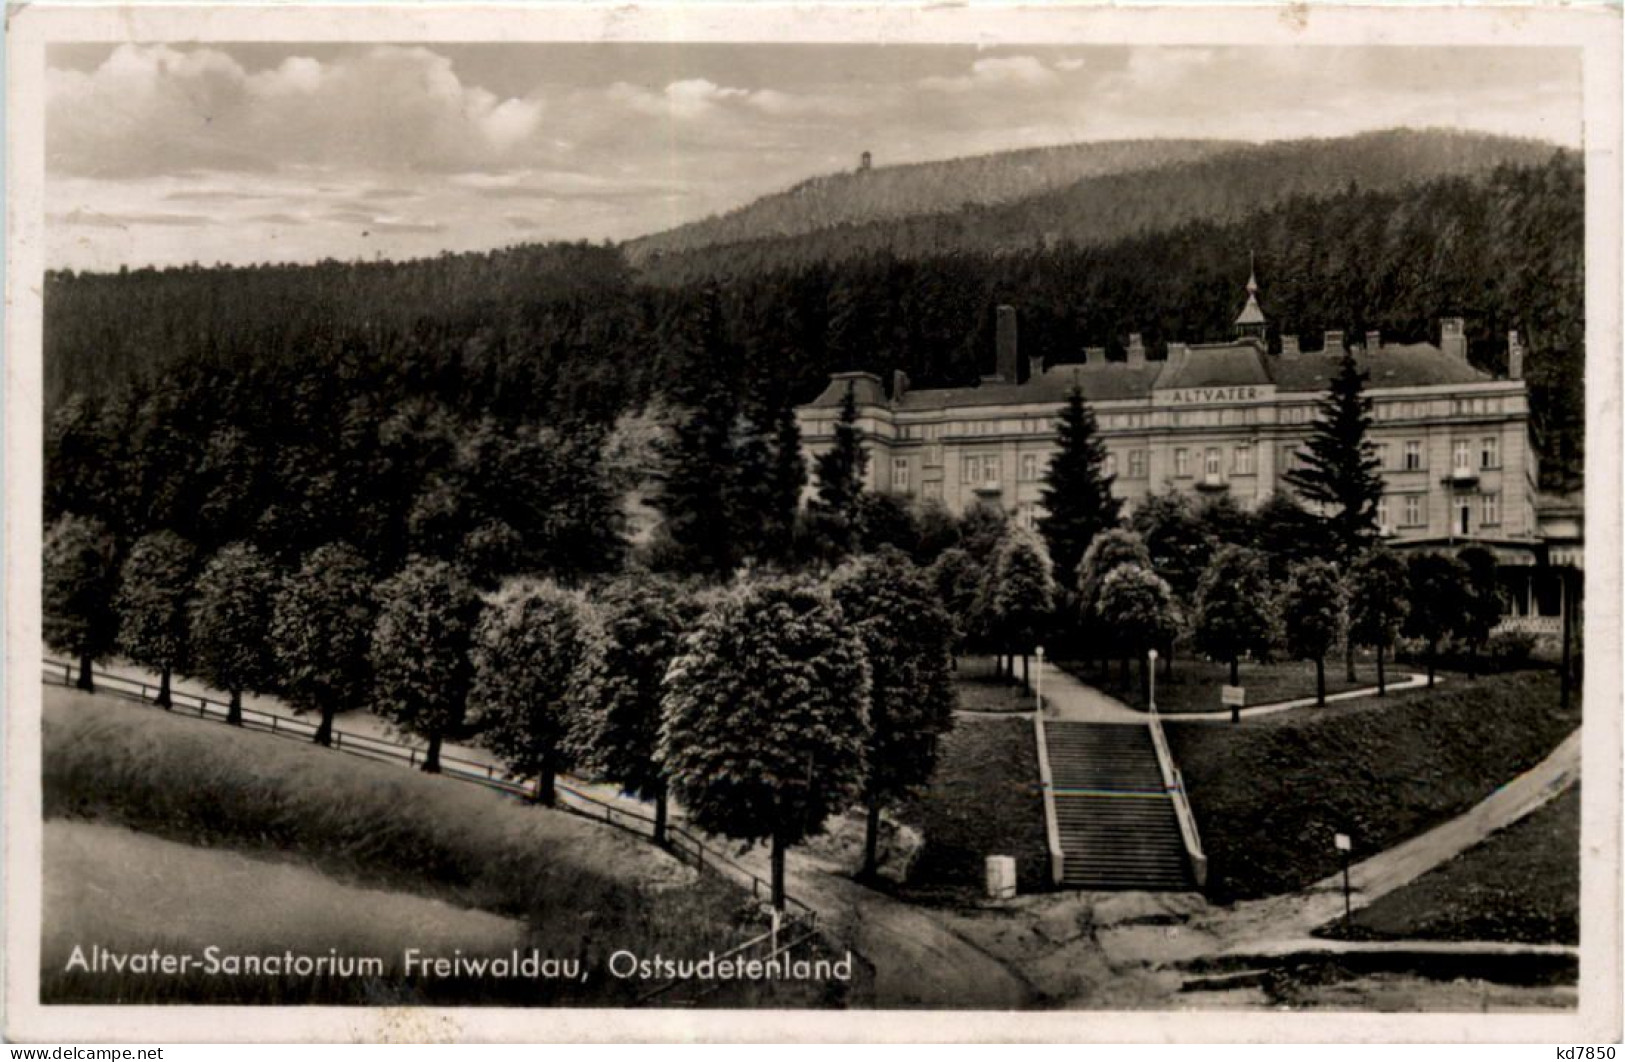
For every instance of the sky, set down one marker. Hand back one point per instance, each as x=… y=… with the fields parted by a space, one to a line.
x=238 y=153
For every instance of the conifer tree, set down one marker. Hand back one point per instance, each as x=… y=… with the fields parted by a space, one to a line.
x=840 y=472
x=1077 y=494
x=1340 y=466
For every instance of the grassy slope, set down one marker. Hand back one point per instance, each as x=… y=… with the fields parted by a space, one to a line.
x=584 y=889
x=1270 y=793
x=1194 y=685
x=115 y=887
x=984 y=800
x=1521 y=884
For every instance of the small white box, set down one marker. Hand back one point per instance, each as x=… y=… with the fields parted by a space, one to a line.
x=1001 y=877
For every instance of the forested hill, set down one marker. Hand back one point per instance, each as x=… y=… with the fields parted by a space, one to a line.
x=886 y=193
x=1120 y=201
x=569 y=333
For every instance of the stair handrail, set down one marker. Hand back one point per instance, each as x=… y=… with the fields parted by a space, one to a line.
x=1174 y=782
x=1052 y=829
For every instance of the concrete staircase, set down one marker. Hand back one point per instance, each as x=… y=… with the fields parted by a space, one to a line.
x=1115 y=819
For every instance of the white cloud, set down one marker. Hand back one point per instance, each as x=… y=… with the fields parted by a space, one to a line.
x=1005 y=71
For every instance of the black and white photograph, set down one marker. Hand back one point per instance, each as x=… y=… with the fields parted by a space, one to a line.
x=694 y=518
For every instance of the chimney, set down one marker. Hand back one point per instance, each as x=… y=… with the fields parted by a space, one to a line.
x=1514 y=356
x=1373 y=340
x=1006 y=341
x=1136 y=349
x=1289 y=347
x=1094 y=359
x=1453 y=337
x=899 y=385
x=1334 y=342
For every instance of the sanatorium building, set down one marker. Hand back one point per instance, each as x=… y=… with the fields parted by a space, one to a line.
x=1458 y=462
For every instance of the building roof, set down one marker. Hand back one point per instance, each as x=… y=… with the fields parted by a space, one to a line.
x=1390 y=365
x=1215 y=365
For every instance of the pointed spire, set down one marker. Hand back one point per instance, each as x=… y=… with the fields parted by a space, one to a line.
x=1251 y=322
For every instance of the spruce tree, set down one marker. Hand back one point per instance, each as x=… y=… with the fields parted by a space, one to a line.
x=840 y=472
x=1077 y=494
x=1340 y=466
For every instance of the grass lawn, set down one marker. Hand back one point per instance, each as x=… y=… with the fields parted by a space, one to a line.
x=984 y=800
x=983 y=692
x=1194 y=685
x=581 y=890
x=1270 y=792
x=1520 y=884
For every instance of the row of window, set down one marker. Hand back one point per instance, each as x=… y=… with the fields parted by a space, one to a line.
x=1235 y=416
x=980 y=469
x=1413 y=511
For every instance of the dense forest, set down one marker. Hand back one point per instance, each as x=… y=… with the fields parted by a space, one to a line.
x=563 y=336
x=1116 y=202
x=884 y=193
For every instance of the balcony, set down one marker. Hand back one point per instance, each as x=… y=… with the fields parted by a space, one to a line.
x=1212 y=481
x=1462 y=476
x=987 y=486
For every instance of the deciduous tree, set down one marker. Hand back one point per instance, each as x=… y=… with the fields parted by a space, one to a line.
x=1481 y=605
x=231 y=623
x=1139 y=607
x=1379 y=602
x=155 y=585
x=906 y=635
x=1022 y=594
x=78 y=582
x=528 y=650
x=615 y=734
x=1312 y=607
x=321 y=634
x=420 y=653
x=1233 y=607
x=1438 y=601
x=766 y=716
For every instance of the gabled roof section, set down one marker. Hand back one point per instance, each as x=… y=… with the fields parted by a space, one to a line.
x=866 y=387
x=1109 y=383
x=1215 y=365
x=1390 y=365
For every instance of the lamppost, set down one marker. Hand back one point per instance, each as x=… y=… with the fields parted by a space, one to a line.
x=1038 y=682
x=1152 y=655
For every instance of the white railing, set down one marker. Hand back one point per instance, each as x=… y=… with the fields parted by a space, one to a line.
x=1052 y=828
x=1174 y=783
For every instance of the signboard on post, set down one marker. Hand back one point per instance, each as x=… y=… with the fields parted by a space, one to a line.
x=1342 y=842
x=1233 y=696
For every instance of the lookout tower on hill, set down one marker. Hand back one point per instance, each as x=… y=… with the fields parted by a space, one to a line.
x=865 y=162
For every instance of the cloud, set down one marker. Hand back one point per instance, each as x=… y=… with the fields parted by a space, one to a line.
x=996 y=72
x=100 y=220
x=151 y=109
